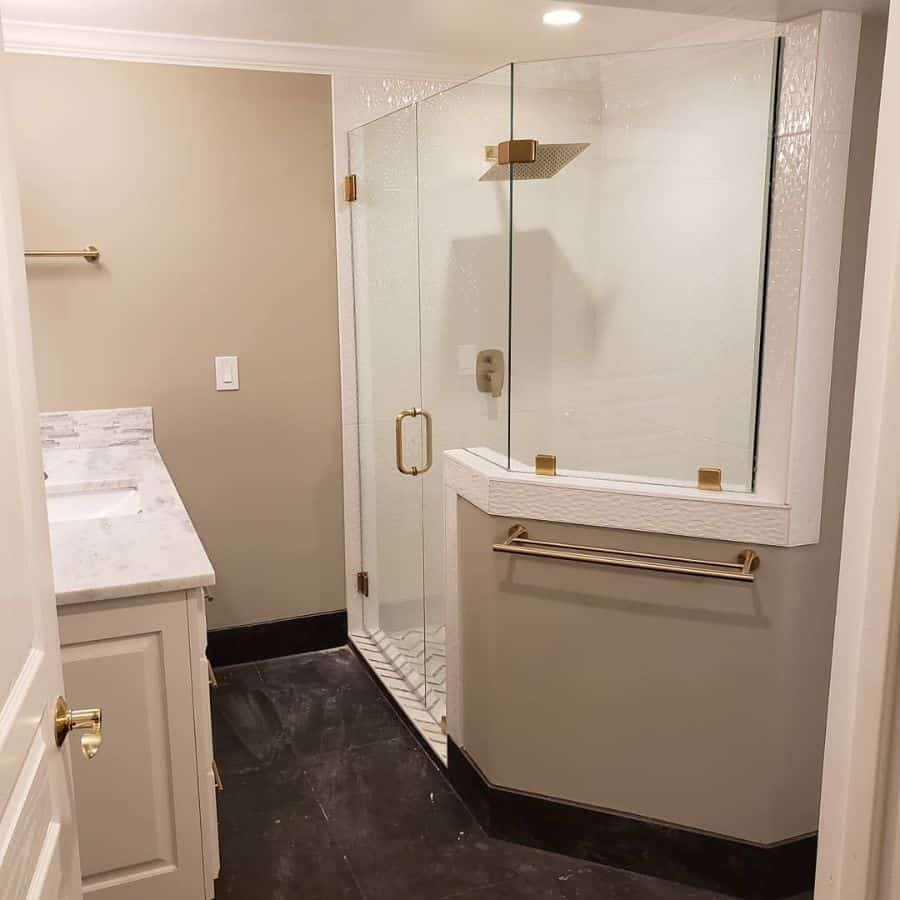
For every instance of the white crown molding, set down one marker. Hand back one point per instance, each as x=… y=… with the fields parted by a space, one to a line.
x=230 y=53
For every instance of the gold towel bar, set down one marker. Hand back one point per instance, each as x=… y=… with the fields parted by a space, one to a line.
x=90 y=253
x=518 y=542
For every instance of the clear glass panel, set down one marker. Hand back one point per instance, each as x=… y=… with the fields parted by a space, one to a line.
x=464 y=305
x=386 y=290
x=638 y=261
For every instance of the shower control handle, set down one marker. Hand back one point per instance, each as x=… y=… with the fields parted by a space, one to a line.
x=489 y=372
x=398 y=437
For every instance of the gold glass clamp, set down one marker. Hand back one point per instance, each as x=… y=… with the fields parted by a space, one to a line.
x=398 y=438
x=66 y=720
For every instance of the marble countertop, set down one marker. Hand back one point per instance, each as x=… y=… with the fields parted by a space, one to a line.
x=152 y=550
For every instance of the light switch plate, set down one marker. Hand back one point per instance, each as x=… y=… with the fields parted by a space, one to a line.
x=227 y=373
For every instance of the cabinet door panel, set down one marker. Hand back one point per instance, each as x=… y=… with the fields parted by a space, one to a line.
x=137 y=801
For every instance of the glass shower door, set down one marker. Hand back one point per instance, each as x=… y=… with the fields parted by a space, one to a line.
x=431 y=243
x=464 y=243
x=386 y=290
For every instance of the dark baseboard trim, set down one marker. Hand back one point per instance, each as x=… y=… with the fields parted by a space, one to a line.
x=284 y=637
x=713 y=862
x=410 y=727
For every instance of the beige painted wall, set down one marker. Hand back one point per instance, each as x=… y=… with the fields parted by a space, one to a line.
x=695 y=702
x=209 y=192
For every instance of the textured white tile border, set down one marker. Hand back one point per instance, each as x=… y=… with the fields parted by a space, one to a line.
x=724 y=515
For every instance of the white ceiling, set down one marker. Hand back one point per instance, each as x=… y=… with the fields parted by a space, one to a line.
x=479 y=34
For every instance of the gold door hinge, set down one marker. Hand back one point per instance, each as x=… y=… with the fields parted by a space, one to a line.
x=362 y=583
x=349 y=188
x=545 y=464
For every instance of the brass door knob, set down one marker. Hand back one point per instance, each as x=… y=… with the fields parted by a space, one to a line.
x=67 y=720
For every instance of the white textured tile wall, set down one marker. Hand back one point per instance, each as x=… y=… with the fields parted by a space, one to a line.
x=830 y=148
x=637 y=270
x=819 y=76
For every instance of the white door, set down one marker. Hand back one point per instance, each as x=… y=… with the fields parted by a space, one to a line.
x=38 y=842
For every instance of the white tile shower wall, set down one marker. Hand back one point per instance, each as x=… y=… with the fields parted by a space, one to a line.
x=814 y=138
x=628 y=361
x=789 y=193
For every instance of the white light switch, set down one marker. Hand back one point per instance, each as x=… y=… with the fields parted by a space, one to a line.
x=227 y=373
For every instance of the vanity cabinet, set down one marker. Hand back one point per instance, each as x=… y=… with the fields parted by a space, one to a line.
x=146 y=805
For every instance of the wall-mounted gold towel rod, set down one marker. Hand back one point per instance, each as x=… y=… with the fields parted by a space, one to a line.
x=518 y=542
x=90 y=253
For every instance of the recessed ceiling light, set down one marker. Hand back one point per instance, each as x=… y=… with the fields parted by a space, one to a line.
x=562 y=17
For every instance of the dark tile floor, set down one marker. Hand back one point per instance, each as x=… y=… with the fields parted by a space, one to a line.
x=327 y=795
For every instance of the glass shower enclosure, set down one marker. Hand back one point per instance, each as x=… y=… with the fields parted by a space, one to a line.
x=563 y=257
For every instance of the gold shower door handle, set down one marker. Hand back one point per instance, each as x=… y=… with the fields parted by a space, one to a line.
x=66 y=720
x=398 y=437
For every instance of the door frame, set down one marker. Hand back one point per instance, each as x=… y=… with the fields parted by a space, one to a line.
x=860 y=761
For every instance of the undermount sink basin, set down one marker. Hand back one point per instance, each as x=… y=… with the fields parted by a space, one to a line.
x=72 y=503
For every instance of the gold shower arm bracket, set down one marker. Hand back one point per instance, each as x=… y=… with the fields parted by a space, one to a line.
x=520 y=151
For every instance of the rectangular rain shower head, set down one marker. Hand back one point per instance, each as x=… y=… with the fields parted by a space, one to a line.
x=549 y=159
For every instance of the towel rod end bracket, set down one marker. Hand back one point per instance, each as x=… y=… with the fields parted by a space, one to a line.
x=749 y=559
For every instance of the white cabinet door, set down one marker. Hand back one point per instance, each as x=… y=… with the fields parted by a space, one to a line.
x=133 y=657
x=38 y=846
